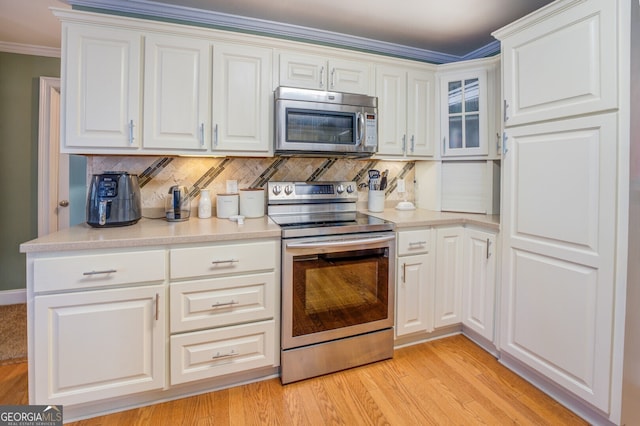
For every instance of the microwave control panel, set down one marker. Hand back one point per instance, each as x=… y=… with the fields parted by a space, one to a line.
x=371 y=125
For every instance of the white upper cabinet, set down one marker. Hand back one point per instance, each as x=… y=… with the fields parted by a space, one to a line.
x=406 y=111
x=242 y=99
x=321 y=73
x=101 y=86
x=176 y=93
x=464 y=113
x=561 y=67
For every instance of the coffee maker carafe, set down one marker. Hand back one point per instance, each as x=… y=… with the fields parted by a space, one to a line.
x=178 y=204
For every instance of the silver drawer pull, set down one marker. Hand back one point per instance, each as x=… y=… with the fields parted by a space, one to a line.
x=417 y=243
x=218 y=355
x=218 y=262
x=221 y=304
x=106 y=271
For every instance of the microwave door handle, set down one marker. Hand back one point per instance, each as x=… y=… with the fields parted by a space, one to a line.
x=340 y=243
x=360 y=127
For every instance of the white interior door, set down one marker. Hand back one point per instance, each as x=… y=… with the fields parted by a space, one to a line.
x=53 y=167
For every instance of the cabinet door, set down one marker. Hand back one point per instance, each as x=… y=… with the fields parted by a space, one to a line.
x=558 y=245
x=562 y=66
x=449 y=276
x=348 y=76
x=176 y=93
x=420 y=113
x=464 y=114
x=242 y=98
x=413 y=291
x=96 y=345
x=391 y=89
x=304 y=71
x=478 y=303
x=101 y=88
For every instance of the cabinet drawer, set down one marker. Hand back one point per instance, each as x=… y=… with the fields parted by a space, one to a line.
x=414 y=242
x=218 y=302
x=98 y=270
x=223 y=259
x=210 y=353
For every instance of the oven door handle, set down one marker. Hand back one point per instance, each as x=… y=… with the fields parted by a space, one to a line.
x=340 y=243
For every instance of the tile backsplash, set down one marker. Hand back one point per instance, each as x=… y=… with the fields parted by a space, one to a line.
x=158 y=174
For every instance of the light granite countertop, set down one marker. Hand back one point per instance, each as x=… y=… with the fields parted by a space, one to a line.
x=421 y=217
x=155 y=232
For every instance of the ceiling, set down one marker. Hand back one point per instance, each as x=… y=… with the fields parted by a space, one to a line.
x=451 y=27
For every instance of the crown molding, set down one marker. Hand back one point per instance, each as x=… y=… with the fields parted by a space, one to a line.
x=178 y=14
x=29 y=49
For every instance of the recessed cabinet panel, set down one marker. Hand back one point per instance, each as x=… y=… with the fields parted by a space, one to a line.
x=556 y=323
x=413 y=290
x=391 y=90
x=101 y=96
x=449 y=276
x=562 y=67
x=222 y=301
x=212 y=353
x=99 y=344
x=176 y=95
x=478 y=303
x=80 y=272
x=223 y=259
x=242 y=98
x=559 y=222
x=321 y=73
x=564 y=202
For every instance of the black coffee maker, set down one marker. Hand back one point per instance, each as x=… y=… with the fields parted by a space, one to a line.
x=113 y=200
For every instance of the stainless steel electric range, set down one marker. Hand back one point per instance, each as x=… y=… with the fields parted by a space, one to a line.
x=338 y=279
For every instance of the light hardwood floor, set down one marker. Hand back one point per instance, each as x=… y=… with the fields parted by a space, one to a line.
x=450 y=381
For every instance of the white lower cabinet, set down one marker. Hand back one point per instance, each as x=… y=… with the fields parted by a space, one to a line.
x=478 y=301
x=219 y=351
x=465 y=279
x=449 y=276
x=223 y=318
x=414 y=282
x=99 y=344
x=103 y=322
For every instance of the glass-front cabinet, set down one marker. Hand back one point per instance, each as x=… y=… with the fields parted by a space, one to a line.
x=463 y=113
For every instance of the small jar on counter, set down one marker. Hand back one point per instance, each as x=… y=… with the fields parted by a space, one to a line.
x=204 y=205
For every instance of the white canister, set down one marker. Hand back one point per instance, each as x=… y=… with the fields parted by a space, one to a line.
x=252 y=202
x=226 y=205
x=204 y=205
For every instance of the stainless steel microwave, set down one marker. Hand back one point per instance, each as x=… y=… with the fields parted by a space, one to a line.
x=318 y=123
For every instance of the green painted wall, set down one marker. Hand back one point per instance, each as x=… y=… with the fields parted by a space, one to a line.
x=19 y=92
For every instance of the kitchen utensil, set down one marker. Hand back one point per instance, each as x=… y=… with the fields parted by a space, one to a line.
x=178 y=204
x=383 y=180
x=113 y=200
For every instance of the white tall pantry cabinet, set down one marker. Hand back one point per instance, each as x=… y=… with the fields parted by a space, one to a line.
x=565 y=202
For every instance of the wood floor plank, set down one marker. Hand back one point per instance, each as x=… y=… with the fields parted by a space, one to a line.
x=450 y=381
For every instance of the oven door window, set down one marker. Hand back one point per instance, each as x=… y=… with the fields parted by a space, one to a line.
x=320 y=127
x=338 y=290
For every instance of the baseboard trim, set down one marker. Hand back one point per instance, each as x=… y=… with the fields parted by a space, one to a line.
x=12 y=297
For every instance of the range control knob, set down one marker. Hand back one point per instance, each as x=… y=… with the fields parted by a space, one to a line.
x=288 y=189
x=276 y=189
x=340 y=189
x=350 y=189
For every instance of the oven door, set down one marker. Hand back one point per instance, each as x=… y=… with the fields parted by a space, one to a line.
x=336 y=286
x=314 y=127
